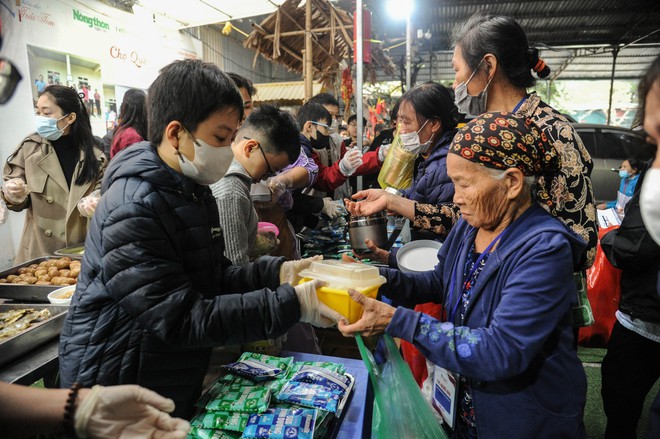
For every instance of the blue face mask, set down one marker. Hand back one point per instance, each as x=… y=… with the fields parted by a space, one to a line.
x=623 y=174
x=47 y=127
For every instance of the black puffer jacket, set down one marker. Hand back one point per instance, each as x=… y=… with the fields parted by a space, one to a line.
x=155 y=293
x=631 y=248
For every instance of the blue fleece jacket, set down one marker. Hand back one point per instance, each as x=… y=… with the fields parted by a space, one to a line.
x=431 y=184
x=516 y=343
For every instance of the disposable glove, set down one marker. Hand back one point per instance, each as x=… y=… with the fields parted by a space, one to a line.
x=278 y=185
x=15 y=191
x=331 y=208
x=382 y=152
x=87 y=205
x=312 y=310
x=350 y=162
x=290 y=269
x=127 y=411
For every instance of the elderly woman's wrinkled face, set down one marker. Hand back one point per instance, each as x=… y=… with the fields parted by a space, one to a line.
x=482 y=199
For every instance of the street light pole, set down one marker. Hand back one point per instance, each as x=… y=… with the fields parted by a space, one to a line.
x=408 y=50
x=359 y=73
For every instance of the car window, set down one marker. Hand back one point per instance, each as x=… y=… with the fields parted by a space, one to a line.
x=611 y=145
x=622 y=145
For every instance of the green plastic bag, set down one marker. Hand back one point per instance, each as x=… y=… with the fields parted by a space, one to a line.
x=400 y=410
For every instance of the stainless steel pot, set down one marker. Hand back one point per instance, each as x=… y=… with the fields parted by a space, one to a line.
x=372 y=227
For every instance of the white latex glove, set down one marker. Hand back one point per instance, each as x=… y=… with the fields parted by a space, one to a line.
x=350 y=162
x=15 y=190
x=382 y=151
x=312 y=310
x=87 y=205
x=3 y=211
x=278 y=185
x=331 y=208
x=290 y=269
x=127 y=411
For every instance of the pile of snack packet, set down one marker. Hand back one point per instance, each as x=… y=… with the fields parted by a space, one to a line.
x=328 y=240
x=269 y=397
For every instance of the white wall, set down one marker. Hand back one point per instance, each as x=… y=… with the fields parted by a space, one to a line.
x=131 y=51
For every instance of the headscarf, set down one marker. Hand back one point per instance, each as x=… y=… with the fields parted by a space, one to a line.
x=502 y=141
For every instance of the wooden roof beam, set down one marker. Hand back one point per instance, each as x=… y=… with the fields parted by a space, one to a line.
x=291 y=52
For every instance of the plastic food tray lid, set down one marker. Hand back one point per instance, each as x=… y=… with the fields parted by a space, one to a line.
x=417 y=256
x=342 y=275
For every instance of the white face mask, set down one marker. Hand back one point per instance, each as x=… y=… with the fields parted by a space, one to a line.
x=210 y=163
x=649 y=203
x=410 y=141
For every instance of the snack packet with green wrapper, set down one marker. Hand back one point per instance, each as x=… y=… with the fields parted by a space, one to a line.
x=235 y=398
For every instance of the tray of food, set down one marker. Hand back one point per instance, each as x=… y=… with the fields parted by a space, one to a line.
x=32 y=280
x=74 y=252
x=24 y=327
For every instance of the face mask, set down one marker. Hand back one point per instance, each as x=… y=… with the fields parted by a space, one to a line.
x=623 y=174
x=410 y=141
x=649 y=203
x=47 y=127
x=321 y=142
x=209 y=165
x=467 y=104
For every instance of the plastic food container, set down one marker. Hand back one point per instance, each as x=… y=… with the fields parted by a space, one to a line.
x=340 y=276
x=62 y=296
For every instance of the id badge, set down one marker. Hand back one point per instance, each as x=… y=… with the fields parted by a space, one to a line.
x=445 y=394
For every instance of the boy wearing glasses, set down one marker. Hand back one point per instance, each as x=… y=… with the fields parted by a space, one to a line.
x=266 y=143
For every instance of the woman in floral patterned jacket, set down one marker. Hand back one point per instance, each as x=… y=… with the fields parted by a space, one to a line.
x=493 y=64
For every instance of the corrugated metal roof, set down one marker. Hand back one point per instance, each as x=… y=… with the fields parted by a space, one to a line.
x=283 y=93
x=576 y=37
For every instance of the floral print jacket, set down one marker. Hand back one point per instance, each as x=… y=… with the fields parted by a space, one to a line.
x=571 y=190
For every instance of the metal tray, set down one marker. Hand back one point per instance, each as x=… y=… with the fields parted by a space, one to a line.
x=26 y=293
x=74 y=251
x=37 y=334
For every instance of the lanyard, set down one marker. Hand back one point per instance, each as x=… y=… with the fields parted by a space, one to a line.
x=520 y=103
x=454 y=275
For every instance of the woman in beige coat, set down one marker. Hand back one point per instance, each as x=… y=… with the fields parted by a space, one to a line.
x=54 y=175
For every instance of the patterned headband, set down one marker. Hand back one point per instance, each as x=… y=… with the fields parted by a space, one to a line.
x=503 y=141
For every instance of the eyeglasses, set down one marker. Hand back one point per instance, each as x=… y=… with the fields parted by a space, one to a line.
x=327 y=127
x=319 y=123
x=270 y=172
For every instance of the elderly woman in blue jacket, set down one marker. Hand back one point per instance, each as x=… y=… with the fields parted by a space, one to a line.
x=505 y=278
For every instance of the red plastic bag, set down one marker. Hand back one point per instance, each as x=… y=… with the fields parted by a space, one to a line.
x=413 y=357
x=604 y=292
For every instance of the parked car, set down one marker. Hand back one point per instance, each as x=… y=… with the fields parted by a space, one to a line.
x=609 y=146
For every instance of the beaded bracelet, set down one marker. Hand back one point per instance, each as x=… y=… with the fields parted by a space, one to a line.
x=70 y=410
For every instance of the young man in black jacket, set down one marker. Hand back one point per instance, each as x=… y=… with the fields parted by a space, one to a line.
x=156 y=293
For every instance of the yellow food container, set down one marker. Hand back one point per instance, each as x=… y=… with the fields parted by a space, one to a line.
x=341 y=276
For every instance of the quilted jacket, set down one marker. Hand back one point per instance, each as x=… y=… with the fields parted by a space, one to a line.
x=156 y=293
